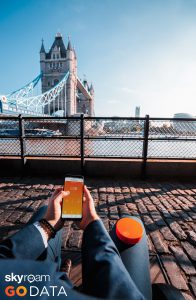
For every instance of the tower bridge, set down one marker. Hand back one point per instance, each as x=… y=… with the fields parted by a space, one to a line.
x=62 y=92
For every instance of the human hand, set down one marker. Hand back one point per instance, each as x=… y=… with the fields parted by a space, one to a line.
x=88 y=211
x=53 y=213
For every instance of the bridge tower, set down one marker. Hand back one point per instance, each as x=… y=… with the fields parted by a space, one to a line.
x=54 y=65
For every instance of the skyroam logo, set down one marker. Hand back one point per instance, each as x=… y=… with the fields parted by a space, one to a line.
x=26 y=278
x=32 y=290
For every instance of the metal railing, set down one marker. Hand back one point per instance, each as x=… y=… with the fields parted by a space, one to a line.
x=92 y=137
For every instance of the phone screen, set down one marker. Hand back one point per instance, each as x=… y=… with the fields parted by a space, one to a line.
x=72 y=204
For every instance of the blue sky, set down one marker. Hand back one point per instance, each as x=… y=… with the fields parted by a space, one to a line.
x=136 y=52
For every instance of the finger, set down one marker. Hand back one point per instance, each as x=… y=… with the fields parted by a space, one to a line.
x=87 y=193
x=65 y=194
x=60 y=195
x=56 y=192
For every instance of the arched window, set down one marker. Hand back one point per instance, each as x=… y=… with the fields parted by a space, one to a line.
x=56 y=81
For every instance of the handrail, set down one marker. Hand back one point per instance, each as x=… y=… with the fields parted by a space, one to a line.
x=85 y=137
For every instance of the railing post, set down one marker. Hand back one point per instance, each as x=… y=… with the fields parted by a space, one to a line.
x=145 y=147
x=82 y=142
x=22 y=141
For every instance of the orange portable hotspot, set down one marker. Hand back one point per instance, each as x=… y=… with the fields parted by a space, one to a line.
x=129 y=231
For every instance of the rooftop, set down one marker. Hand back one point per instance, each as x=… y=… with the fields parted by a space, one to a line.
x=167 y=209
x=59 y=44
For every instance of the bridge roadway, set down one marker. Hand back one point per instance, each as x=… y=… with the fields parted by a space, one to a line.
x=58 y=127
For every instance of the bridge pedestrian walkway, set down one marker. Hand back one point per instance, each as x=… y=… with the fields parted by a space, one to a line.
x=167 y=209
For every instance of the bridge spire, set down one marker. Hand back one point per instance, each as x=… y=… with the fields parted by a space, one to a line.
x=91 y=89
x=42 y=50
x=69 y=46
x=58 y=34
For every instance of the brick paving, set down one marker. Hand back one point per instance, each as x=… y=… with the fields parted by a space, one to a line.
x=167 y=209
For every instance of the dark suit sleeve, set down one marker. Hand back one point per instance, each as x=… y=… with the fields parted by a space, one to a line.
x=104 y=274
x=25 y=244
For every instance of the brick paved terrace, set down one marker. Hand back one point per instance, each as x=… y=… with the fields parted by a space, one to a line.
x=167 y=209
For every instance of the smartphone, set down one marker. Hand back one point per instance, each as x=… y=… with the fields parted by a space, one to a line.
x=72 y=204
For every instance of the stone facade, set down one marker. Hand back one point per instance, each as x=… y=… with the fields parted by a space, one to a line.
x=76 y=97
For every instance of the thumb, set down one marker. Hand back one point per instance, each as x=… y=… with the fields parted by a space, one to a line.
x=87 y=193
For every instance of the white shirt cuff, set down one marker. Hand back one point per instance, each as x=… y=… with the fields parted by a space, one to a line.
x=43 y=233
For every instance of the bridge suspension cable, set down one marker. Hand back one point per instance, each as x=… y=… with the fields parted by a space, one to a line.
x=37 y=103
x=25 y=90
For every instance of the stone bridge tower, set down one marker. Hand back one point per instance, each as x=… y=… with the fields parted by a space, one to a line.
x=76 y=97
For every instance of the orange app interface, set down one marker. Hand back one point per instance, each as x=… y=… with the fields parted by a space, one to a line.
x=72 y=204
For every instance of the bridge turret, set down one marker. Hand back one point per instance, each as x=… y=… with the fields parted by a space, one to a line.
x=42 y=51
x=70 y=57
x=69 y=46
x=92 y=92
x=72 y=80
x=42 y=54
x=75 y=61
x=85 y=84
x=75 y=56
x=55 y=63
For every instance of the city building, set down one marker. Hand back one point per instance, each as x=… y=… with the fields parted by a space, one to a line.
x=184 y=126
x=77 y=97
x=137 y=111
x=183 y=116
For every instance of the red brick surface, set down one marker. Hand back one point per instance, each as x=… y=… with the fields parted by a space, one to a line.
x=167 y=209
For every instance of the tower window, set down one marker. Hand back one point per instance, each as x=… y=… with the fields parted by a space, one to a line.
x=56 y=81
